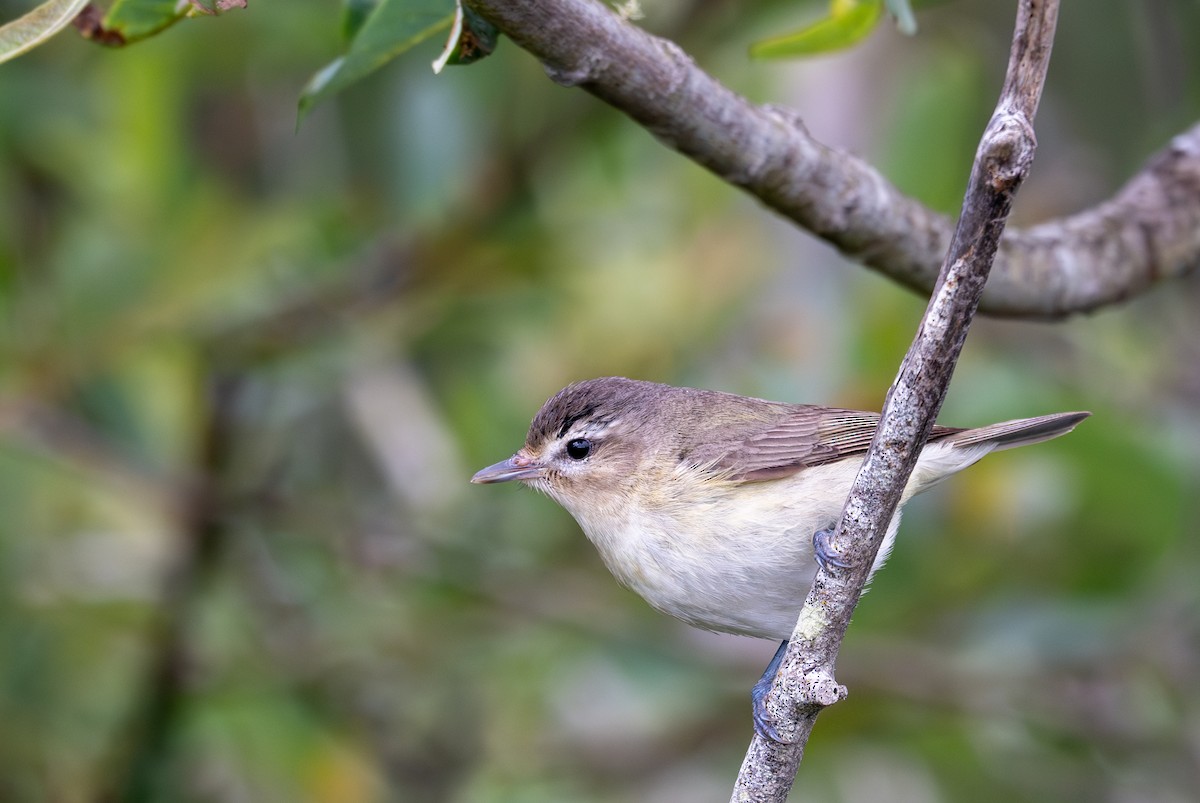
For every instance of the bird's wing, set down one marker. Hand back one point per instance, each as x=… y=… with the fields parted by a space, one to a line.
x=803 y=437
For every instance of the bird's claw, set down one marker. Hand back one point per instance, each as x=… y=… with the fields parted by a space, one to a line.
x=763 y=725
x=826 y=556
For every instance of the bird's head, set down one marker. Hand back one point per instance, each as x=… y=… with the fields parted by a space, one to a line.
x=586 y=444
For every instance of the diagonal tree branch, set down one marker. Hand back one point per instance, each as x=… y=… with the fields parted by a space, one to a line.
x=204 y=534
x=1149 y=231
x=805 y=684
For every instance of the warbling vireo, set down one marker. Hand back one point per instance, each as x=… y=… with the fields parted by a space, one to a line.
x=717 y=508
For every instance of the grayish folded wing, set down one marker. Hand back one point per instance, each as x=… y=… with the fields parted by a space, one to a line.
x=805 y=436
x=802 y=437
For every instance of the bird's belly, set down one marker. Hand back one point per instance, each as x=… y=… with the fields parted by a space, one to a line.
x=736 y=563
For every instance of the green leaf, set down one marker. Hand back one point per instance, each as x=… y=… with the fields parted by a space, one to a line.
x=29 y=31
x=354 y=14
x=392 y=27
x=849 y=22
x=471 y=38
x=212 y=8
x=138 y=19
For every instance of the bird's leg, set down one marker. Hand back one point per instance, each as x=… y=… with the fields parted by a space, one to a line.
x=762 y=721
x=829 y=560
x=827 y=557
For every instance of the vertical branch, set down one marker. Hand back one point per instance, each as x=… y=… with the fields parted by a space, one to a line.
x=805 y=684
x=203 y=533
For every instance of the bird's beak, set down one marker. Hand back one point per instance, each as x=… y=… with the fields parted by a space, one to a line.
x=518 y=467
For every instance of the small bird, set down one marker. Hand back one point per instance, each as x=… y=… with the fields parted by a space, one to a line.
x=717 y=508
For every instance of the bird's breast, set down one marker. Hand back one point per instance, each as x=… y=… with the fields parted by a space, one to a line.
x=733 y=557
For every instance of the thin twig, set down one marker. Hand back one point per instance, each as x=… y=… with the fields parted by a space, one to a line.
x=1148 y=232
x=805 y=684
x=203 y=533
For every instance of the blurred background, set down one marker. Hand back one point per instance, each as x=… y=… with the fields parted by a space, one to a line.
x=248 y=370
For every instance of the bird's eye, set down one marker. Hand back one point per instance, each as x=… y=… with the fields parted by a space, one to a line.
x=579 y=448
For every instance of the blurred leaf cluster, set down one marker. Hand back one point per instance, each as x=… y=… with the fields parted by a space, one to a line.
x=247 y=371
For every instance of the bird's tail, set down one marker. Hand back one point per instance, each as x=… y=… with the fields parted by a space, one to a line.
x=1021 y=432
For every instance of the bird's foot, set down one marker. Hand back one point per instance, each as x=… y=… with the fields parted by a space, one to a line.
x=762 y=719
x=827 y=557
x=820 y=690
x=763 y=725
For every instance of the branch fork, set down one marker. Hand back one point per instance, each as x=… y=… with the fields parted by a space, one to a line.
x=768 y=152
x=805 y=682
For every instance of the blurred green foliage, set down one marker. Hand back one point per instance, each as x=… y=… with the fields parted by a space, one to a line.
x=847 y=22
x=247 y=371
